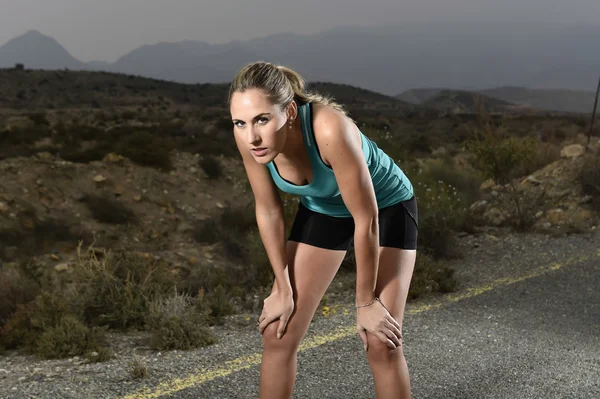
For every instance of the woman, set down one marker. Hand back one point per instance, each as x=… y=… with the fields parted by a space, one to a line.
x=351 y=194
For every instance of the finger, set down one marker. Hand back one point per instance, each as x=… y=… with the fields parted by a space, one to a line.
x=363 y=336
x=383 y=338
x=393 y=321
x=394 y=329
x=392 y=336
x=264 y=323
x=283 y=320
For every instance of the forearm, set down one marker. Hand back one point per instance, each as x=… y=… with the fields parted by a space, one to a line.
x=366 y=250
x=271 y=227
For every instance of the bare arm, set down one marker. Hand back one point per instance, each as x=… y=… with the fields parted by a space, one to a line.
x=341 y=148
x=269 y=218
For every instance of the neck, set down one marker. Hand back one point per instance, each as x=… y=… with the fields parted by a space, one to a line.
x=294 y=143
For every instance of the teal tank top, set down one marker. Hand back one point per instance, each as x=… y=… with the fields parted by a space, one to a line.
x=322 y=194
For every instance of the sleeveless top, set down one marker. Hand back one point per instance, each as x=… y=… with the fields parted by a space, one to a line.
x=322 y=194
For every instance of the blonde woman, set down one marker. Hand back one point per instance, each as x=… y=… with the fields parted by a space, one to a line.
x=351 y=193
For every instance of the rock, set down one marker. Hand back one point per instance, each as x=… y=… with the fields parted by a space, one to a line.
x=193 y=169
x=113 y=158
x=3 y=207
x=184 y=227
x=79 y=196
x=478 y=207
x=487 y=185
x=546 y=225
x=137 y=198
x=99 y=178
x=494 y=193
x=538 y=214
x=54 y=257
x=439 y=152
x=531 y=180
x=44 y=156
x=494 y=216
x=572 y=151
x=220 y=205
x=556 y=216
x=61 y=267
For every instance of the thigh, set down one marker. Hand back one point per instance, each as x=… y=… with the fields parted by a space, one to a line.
x=395 y=272
x=311 y=271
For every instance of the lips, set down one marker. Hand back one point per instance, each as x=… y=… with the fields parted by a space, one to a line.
x=260 y=151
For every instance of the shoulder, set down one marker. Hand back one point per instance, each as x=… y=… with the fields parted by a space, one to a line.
x=333 y=130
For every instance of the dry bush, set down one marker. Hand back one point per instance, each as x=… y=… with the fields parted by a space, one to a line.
x=590 y=180
x=108 y=210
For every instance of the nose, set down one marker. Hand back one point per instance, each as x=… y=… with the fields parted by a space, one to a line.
x=253 y=136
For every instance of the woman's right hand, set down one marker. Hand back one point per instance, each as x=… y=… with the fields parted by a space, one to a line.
x=278 y=305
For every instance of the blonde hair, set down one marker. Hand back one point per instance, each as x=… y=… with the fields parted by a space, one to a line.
x=281 y=84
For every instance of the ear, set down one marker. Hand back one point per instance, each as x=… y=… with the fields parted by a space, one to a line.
x=292 y=110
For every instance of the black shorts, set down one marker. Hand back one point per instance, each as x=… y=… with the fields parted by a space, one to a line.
x=398 y=227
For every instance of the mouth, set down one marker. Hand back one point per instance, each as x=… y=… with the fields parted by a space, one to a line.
x=259 y=151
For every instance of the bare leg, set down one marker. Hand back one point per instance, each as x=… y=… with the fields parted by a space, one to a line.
x=311 y=271
x=389 y=367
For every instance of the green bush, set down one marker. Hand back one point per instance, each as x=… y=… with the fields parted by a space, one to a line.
x=116 y=289
x=146 y=149
x=431 y=276
x=70 y=337
x=17 y=289
x=176 y=323
x=590 y=180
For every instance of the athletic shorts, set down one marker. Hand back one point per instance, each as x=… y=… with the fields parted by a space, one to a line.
x=398 y=227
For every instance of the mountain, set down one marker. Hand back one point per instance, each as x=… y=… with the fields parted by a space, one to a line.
x=38 y=51
x=384 y=59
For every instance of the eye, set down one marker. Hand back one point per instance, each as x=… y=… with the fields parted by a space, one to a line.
x=262 y=120
x=238 y=124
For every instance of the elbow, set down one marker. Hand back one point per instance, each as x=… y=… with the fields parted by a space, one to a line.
x=367 y=225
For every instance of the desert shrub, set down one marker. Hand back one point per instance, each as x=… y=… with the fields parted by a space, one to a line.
x=138 y=368
x=467 y=182
x=211 y=166
x=590 y=180
x=542 y=155
x=116 y=289
x=70 y=337
x=504 y=158
x=176 y=323
x=17 y=289
x=442 y=212
x=146 y=149
x=431 y=276
x=108 y=210
x=30 y=321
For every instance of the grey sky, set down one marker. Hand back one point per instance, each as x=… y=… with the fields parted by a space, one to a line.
x=107 y=29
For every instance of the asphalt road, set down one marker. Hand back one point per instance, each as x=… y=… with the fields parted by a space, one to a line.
x=535 y=337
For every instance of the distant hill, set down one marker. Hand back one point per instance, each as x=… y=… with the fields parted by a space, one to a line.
x=464 y=101
x=37 y=50
x=441 y=55
x=542 y=99
x=554 y=100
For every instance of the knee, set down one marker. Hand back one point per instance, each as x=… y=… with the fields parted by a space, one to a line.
x=288 y=343
x=380 y=351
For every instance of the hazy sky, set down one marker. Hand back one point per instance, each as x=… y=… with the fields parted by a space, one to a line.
x=107 y=29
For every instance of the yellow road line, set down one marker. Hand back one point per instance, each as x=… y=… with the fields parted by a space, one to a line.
x=244 y=362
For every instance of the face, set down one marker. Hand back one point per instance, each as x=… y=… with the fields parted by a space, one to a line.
x=258 y=124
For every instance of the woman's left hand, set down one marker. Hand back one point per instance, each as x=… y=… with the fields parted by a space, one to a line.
x=376 y=319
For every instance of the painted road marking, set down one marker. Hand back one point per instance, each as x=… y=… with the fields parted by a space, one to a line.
x=244 y=362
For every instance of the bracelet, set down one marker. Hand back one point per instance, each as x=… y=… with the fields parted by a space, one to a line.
x=368 y=304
